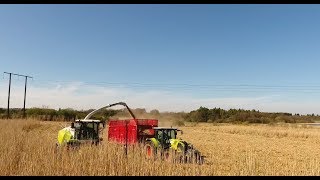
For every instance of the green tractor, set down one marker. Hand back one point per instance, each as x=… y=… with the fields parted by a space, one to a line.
x=166 y=144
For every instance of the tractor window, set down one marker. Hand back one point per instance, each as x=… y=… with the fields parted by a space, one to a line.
x=172 y=134
x=86 y=131
x=159 y=135
x=164 y=136
x=90 y=131
x=77 y=125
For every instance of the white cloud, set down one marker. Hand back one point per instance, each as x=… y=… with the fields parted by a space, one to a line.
x=80 y=96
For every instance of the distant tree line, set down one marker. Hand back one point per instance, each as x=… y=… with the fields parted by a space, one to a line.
x=46 y=114
x=202 y=114
x=219 y=115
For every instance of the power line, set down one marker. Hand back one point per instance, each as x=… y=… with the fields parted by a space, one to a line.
x=214 y=88
x=25 y=91
x=176 y=84
x=242 y=88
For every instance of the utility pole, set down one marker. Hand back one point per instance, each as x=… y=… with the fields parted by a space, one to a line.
x=24 y=100
x=25 y=91
x=8 y=113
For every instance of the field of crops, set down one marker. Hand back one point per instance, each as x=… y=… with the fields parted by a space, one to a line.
x=27 y=147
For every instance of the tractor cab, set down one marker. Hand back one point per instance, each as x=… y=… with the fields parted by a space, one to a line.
x=164 y=134
x=87 y=129
x=81 y=132
x=86 y=132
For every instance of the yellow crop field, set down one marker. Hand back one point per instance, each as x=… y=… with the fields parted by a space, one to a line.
x=27 y=147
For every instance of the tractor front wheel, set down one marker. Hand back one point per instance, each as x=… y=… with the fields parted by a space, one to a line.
x=150 y=150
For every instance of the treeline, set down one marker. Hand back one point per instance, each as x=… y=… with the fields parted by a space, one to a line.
x=46 y=114
x=202 y=114
x=219 y=115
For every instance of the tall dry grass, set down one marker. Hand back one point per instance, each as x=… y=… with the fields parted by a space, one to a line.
x=27 y=147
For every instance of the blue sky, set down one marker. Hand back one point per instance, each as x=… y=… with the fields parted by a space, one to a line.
x=167 y=57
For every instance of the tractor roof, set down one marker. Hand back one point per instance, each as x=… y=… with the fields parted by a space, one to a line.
x=165 y=128
x=87 y=120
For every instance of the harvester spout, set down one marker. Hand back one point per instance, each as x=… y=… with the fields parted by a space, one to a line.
x=110 y=105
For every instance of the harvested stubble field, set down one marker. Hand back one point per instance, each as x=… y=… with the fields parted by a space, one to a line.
x=27 y=147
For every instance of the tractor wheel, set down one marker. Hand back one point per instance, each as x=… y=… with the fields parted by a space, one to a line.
x=150 y=150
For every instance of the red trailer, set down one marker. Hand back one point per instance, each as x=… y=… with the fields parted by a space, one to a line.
x=131 y=131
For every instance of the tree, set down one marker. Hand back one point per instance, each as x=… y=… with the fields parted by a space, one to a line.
x=155 y=112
